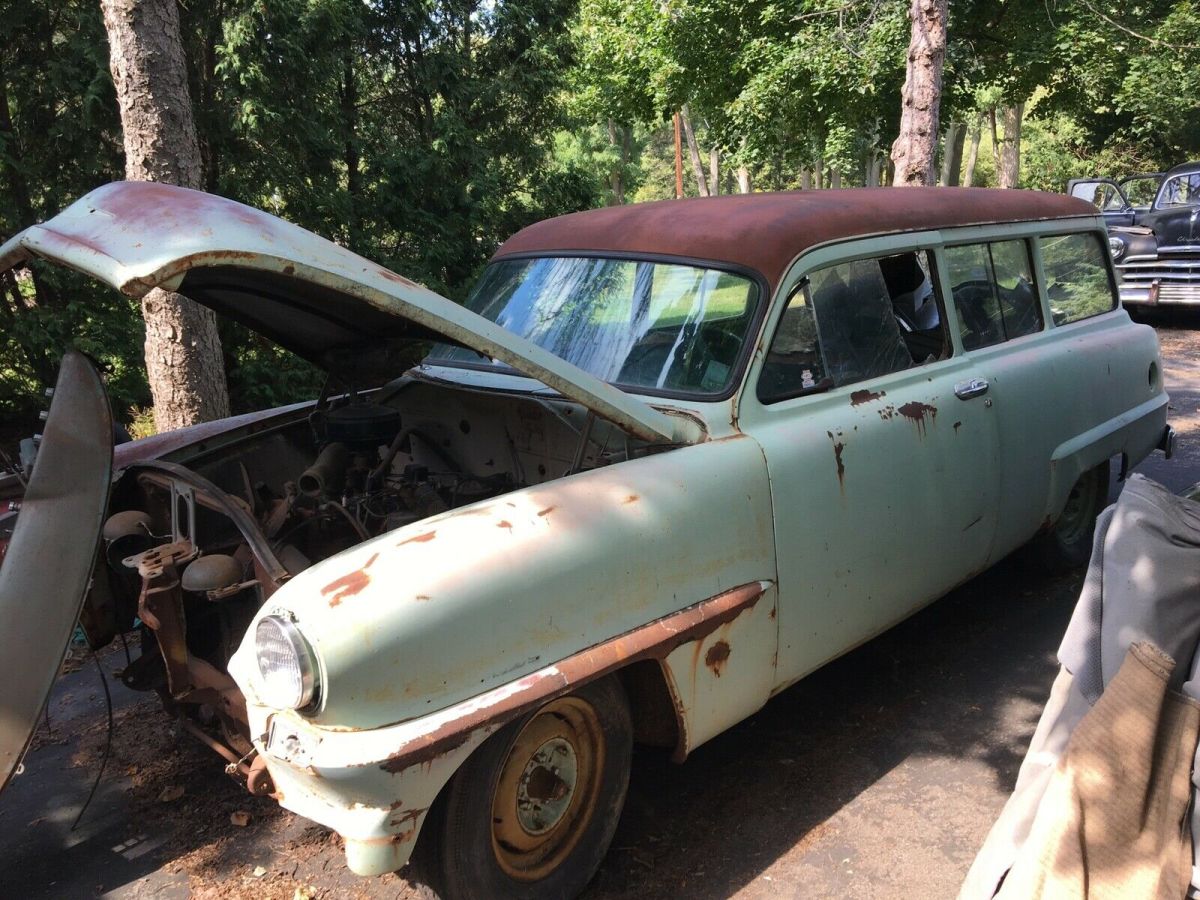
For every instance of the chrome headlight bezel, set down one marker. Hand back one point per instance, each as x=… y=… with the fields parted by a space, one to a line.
x=1117 y=246
x=285 y=666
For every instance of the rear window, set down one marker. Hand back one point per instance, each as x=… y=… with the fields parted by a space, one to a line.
x=1078 y=280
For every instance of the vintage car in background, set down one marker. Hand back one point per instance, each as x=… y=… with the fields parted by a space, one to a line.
x=668 y=459
x=1156 y=248
x=1120 y=202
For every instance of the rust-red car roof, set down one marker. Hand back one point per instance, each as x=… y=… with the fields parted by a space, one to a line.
x=765 y=231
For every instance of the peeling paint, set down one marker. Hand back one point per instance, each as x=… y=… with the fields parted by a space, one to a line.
x=717 y=656
x=419 y=539
x=859 y=397
x=838 y=447
x=350 y=584
x=916 y=412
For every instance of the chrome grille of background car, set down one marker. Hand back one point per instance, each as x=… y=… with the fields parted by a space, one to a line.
x=1178 y=279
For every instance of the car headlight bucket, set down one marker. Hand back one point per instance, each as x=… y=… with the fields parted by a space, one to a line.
x=287 y=671
x=1117 y=247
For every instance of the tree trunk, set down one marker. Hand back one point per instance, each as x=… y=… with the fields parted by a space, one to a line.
x=915 y=147
x=351 y=155
x=183 y=350
x=714 y=171
x=743 y=176
x=872 y=179
x=956 y=132
x=694 y=151
x=806 y=181
x=835 y=178
x=616 y=175
x=1008 y=175
x=678 y=160
x=973 y=155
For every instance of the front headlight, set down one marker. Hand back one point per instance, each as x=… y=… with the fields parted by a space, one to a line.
x=1117 y=246
x=287 y=672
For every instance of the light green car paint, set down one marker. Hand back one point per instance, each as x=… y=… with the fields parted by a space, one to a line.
x=922 y=503
x=849 y=509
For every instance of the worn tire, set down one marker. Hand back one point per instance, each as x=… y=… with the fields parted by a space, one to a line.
x=464 y=852
x=1068 y=543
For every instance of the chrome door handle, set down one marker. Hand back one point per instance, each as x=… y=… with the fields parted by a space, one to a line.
x=965 y=390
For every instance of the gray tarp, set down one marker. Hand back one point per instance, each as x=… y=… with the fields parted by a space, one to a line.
x=1143 y=585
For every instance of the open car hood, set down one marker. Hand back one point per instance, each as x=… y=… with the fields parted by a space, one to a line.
x=53 y=547
x=328 y=305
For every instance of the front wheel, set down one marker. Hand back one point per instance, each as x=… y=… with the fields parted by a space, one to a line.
x=532 y=812
x=1068 y=544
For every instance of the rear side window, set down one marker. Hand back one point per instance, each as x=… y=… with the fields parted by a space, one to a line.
x=993 y=289
x=1078 y=281
x=854 y=321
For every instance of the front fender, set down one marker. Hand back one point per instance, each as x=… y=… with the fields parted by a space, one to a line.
x=446 y=609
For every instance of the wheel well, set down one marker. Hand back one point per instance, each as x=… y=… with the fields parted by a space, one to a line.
x=655 y=719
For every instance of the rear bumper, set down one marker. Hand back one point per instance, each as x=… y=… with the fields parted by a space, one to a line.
x=1166 y=443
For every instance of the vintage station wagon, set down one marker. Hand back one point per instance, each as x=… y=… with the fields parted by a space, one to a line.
x=668 y=459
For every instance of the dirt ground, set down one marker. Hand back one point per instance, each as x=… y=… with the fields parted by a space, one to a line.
x=878 y=776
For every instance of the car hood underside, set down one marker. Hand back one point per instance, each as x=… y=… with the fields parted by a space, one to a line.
x=335 y=308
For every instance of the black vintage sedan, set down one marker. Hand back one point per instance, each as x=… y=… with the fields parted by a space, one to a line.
x=1157 y=250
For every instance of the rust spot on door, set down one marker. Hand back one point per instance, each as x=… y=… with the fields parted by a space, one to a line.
x=916 y=412
x=838 y=447
x=546 y=511
x=716 y=657
x=887 y=412
x=632 y=498
x=957 y=425
x=504 y=523
x=419 y=539
x=859 y=397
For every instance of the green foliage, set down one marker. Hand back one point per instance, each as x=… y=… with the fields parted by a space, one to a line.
x=420 y=133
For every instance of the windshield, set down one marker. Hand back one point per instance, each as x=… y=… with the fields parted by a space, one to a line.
x=648 y=325
x=1182 y=190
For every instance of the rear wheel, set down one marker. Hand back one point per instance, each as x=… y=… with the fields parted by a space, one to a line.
x=532 y=812
x=1068 y=543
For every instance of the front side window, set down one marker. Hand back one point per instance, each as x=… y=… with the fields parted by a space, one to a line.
x=1078 y=283
x=993 y=289
x=650 y=325
x=854 y=321
x=1182 y=190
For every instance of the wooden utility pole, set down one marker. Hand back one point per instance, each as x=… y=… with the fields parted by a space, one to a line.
x=678 y=159
x=183 y=350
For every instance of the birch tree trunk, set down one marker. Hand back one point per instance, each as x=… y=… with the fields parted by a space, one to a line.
x=915 y=147
x=973 y=155
x=1008 y=174
x=743 y=177
x=693 y=151
x=183 y=351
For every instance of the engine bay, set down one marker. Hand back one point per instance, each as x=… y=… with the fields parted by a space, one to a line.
x=195 y=544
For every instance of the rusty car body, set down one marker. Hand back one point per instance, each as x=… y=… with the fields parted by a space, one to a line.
x=667 y=460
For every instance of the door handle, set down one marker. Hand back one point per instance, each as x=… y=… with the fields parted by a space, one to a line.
x=965 y=390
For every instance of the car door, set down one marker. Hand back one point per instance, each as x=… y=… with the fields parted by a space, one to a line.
x=1106 y=195
x=880 y=445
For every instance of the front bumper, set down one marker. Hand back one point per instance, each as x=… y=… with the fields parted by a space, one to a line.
x=1165 y=281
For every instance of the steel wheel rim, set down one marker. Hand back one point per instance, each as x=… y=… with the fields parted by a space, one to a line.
x=545 y=796
x=1076 y=517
